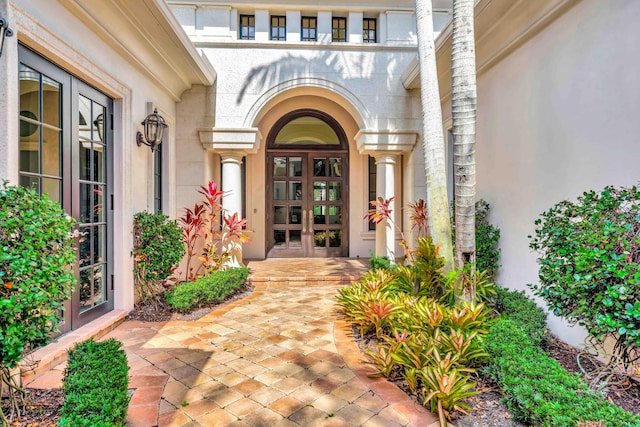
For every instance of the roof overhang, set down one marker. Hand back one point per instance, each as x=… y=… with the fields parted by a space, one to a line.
x=501 y=26
x=148 y=35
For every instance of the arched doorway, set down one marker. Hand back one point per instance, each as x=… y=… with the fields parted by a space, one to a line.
x=307 y=186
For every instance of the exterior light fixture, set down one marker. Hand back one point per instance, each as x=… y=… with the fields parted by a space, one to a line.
x=5 y=31
x=154 y=126
x=99 y=124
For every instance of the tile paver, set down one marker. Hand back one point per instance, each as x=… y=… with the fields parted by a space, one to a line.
x=280 y=357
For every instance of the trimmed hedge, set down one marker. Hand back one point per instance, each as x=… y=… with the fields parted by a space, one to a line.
x=524 y=311
x=539 y=391
x=95 y=385
x=214 y=287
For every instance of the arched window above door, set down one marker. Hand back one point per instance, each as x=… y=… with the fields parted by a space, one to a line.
x=307 y=129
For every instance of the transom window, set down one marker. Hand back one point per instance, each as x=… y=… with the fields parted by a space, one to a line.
x=369 y=30
x=247 y=27
x=278 y=28
x=309 y=28
x=339 y=29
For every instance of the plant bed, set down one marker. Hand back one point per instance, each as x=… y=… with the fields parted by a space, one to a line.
x=163 y=312
x=42 y=408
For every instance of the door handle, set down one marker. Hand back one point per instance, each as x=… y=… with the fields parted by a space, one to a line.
x=304 y=221
x=310 y=220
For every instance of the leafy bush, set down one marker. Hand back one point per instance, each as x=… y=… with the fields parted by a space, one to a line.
x=589 y=256
x=95 y=385
x=36 y=251
x=379 y=262
x=423 y=337
x=157 y=251
x=539 y=391
x=524 y=311
x=214 y=287
x=202 y=226
x=487 y=237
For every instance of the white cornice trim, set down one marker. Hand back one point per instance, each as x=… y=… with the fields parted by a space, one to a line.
x=385 y=141
x=241 y=141
x=167 y=49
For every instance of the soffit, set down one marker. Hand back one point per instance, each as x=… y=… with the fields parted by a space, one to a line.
x=501 y=26
x=147 y=34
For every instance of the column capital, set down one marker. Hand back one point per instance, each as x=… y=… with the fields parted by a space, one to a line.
x=372 y=141
x=385 y=157
x=240 y=141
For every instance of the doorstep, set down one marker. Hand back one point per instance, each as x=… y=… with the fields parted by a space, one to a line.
x=45 y=358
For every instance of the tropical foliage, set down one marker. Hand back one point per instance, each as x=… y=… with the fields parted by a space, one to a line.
x=421 y=336
x=36 y=251
x=209 y=232
x=487 y=237
x=589 y=257
x=157 y=251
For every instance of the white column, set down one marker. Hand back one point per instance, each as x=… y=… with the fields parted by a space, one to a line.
x=232 y=198
x=385 y=188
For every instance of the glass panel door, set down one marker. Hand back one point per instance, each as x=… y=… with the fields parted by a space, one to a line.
x=306 y=205
x=65 y=153
x=91 y=175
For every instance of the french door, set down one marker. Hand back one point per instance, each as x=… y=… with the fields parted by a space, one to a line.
x=65 y=152
x=307 y=204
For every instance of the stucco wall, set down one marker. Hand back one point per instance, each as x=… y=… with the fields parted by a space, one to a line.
x=555 y=118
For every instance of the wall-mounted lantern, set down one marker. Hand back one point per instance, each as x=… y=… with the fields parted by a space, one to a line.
x=5 y=31
x=154 y=126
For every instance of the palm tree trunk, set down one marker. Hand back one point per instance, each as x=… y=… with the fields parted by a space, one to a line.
x=464 y=105
x=432 y=135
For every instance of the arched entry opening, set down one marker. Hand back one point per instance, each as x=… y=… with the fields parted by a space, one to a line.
x=307 y=186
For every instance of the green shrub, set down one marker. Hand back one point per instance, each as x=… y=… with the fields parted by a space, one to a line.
x=213 y=287
x=539 y=391
x=424 y=338
x=379 y=262
x=157 y=250
x=95 y=385
x=36 y=250
x=487 y=236
x=589 y=257
x=530 y=317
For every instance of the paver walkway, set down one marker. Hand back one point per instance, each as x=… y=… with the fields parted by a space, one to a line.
x=280 y=357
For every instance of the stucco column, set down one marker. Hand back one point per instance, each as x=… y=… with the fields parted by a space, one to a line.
x=232 y=198
x=385 y=188
x=232 y=144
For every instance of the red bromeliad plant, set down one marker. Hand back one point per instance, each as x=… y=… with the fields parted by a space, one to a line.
x=191 y=223
x=381 y=211
x=202 y=224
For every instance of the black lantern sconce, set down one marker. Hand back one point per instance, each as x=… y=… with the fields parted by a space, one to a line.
x=5 y=31
x=154 y=126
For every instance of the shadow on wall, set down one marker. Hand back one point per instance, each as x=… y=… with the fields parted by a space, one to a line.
x=354 y=71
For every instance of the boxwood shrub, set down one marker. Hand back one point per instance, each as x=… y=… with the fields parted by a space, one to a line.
x=213 y=287
x=524 y=311
x=95 y=385
x=538 y=390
